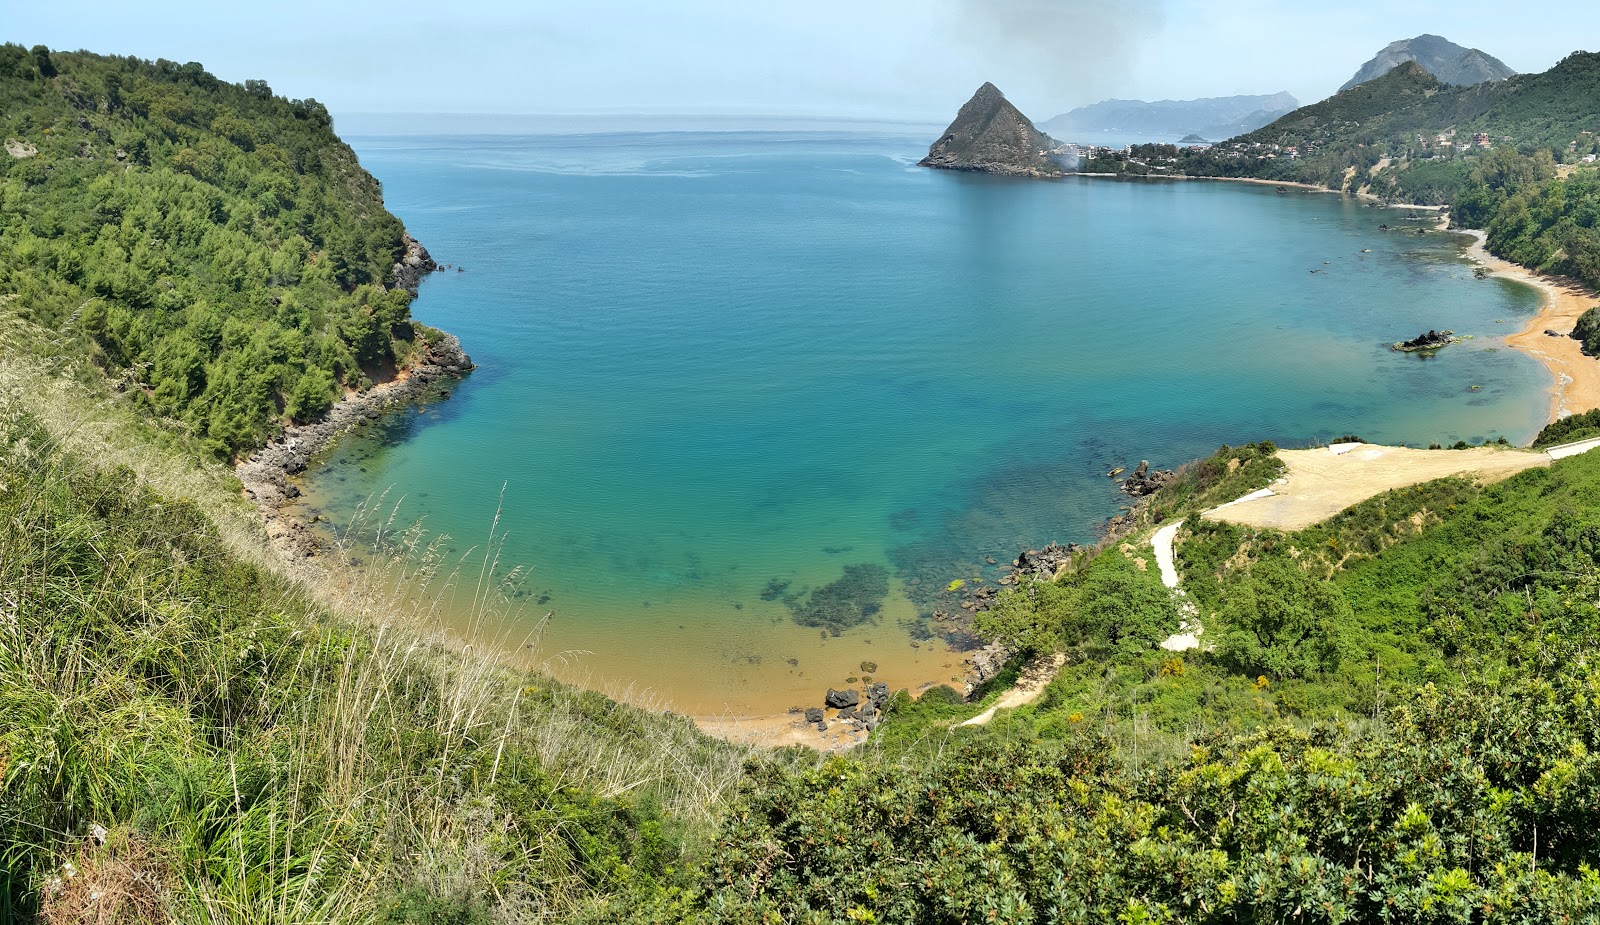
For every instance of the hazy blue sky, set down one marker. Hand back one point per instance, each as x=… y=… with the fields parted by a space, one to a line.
x=892 y=59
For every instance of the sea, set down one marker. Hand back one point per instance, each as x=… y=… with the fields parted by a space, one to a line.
x=748 y=401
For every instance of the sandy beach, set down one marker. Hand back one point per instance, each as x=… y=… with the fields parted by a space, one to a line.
x=1577 y=385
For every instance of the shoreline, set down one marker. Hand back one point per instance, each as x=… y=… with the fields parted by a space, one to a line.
x=1577 y=375
x=265 y=475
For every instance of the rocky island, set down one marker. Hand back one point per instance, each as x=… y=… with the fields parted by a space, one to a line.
x=989 y=135
x=1425 y=343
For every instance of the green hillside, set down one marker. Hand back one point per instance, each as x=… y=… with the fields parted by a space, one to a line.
x=214 y=248
x=1398 y=723
x=190 y=738
x=1397 y=718
x=1491 y=152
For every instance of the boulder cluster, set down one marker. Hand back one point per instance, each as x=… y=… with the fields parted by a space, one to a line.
x=1146 y=481
x=862 y=712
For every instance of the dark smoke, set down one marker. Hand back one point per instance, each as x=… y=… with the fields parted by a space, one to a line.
x=1073 y=50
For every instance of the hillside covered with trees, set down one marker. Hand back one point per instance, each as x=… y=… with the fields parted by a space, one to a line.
x=1398 y=719
x=1515 y=157
x=214 y=248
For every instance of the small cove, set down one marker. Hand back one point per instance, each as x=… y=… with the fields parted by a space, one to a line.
x=714 y=365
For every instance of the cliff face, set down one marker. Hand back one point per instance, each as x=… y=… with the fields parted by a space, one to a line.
x=989 y=135
x=1442 y=58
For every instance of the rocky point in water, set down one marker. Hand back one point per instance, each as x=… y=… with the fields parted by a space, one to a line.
x=989 y=135
x=1432 y=340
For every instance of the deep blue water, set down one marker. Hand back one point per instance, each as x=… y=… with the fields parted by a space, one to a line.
x=713 y=361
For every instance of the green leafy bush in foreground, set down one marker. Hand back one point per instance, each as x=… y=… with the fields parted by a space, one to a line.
x=1468 y=807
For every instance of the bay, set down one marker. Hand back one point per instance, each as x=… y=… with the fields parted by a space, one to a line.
x=718 y=368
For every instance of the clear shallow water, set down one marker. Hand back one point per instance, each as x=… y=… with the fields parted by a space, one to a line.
x=713 y=361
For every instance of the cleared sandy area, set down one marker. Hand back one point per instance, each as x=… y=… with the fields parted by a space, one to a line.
x=1577 y=385
x=1320 y=483
x=778 y=731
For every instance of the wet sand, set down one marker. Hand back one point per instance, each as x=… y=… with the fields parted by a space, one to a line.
x=1577 y=385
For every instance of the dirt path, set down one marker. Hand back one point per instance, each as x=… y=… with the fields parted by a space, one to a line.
x=1035 y=675
x=1320 y=483
x=1162 y=544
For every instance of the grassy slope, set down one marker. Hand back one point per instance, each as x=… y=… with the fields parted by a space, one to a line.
x=252 y=758
x=215 y=722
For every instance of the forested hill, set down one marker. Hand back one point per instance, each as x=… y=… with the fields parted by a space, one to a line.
x=216 y=249
x=1548 y=110
x=1515 y=157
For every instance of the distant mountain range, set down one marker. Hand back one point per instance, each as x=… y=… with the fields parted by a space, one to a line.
x=1442 y=58
x=1213 y=118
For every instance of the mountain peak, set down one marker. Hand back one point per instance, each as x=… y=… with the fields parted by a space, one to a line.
x=989 y=135
x=1444 y=59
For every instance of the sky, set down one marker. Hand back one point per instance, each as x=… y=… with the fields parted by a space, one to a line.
x=888 y=60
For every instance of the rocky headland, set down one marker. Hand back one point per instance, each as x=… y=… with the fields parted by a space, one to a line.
x=414 y=264
x=989 y=135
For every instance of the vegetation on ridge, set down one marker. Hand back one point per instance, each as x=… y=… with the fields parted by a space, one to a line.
x=216 y=249
x=1397 y=722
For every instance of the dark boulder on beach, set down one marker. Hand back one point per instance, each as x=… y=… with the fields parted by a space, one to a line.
x=842 y=700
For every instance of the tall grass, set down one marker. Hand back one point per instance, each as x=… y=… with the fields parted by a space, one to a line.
x=188 y=736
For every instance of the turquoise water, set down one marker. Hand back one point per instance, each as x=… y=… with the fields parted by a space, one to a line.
x=712 y=362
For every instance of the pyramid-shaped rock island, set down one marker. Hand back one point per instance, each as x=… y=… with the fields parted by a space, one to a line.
x=989 y=135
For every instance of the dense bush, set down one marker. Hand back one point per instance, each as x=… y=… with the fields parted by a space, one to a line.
x=217 y=249
x=1451 y=808
x=1568 y=429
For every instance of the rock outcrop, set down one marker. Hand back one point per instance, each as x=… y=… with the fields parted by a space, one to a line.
x=989 y=135
x=1146 y=481
x=412 y=266
x=1432 y=340
x=1444 y=59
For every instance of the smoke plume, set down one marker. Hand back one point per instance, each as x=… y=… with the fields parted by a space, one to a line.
x=1071 y=50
